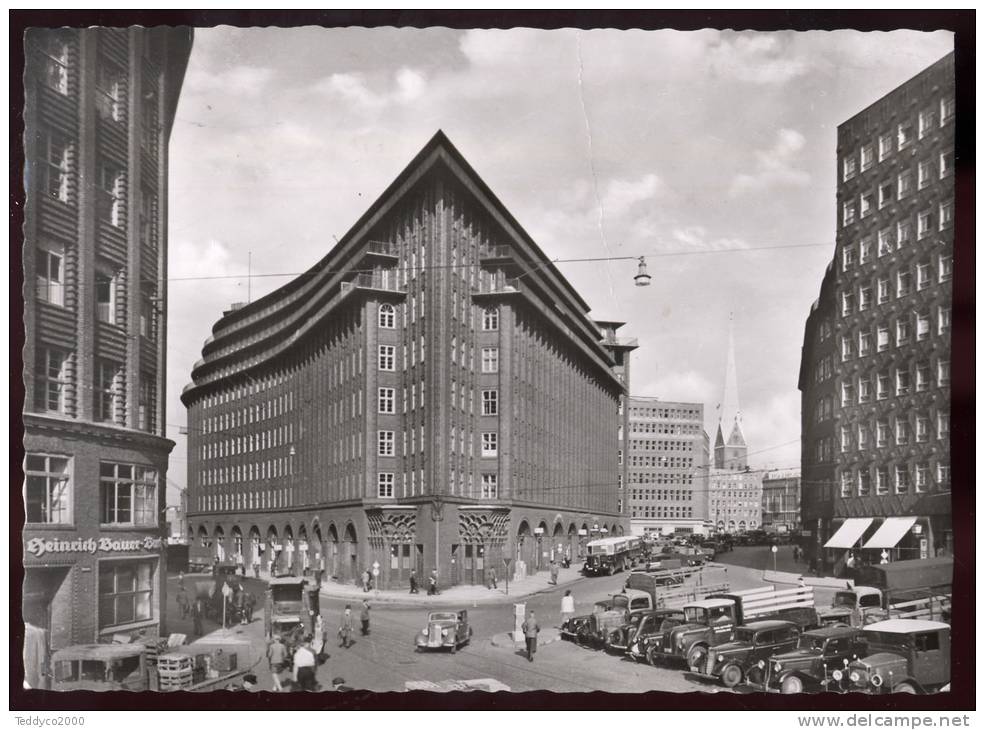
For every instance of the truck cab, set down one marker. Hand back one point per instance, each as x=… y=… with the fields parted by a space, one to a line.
x=100 y=668
x=911 y=656
x=291 y=603
x=854 y=606
x=707 y=623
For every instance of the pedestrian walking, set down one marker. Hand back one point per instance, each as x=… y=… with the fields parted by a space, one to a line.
x=183 y=606
x=365 y=580
x=364 y=618
x=198 y=613
x=345 y=627
x=554 y=572
x=239 y=601
x=530 y=631
x=276 y=661
x=318 y=640
x=249 y=603
x=181 y=579
x=567 y=606
x=491 y=578
x=413 y=582
x=433 y=583
x=256 y=567
x=304 y=666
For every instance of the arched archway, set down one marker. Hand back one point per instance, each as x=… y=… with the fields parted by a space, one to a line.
x=254 y=556
x=543 y=539
x=220 y=543
x=350 y=555
x=289 y=547
x=302 y=548
x=318 y=562
x=525 y=546
x=272 y=552
x=557 y=541
x=332 y=558
x=237 y=546
x=583 y=538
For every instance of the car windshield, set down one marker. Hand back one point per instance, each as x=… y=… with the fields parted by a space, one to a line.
x=807 y=641
x=845 y=598
x=442 y=617
x=745 y=635
x=669 y=623
x=694 y=615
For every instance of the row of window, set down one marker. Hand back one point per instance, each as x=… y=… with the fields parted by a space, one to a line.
x=892 y=190
x=900 y=138
x=668 y=512
x=901 y=430
x=899 y=382
x=886 y=287
x=262 y=499
x=386 y=400
x=913 y=328
x=659 y=478
x=651 y=461
x=662 y=494
x=898 y=479
x=250 y=443
x=664 y=413
x=668 y=429
x=127 y=492
x=270 y=408
x=386 y=317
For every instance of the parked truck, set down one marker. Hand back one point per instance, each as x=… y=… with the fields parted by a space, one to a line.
x=712 y=621
x=910 y=656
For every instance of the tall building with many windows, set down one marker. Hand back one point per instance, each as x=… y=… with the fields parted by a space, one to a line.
x=431 y=395
x=876 y=367
x=98 y=112
x=781 y=501
x=666 y=456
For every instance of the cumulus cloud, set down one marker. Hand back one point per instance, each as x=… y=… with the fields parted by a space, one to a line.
x=407 y=85
x=249 y=81
x=755 y=58
x=696 y=237
x=689 y=386
x=775 y=167
x=621 y=195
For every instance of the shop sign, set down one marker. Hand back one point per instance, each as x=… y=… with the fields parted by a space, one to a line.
x=38 y=546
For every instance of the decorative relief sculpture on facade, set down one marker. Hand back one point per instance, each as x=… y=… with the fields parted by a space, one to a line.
x=391 y=527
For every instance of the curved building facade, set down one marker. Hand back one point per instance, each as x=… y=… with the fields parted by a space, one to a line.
x=431 y=395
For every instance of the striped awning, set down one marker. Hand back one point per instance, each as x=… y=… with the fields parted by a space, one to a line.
x=890 y=532
x=849 y=533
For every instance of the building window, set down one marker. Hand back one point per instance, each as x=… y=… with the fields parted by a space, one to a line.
x=109 y=193
x=849 y=168
x=110 y=82
x=945 y=268
x=864 y=298
x=947 y=109
x=926 y=122
x=864 y=482
x=54 y=174
x=387 y=317
x=904 y=184
x=902 y=431
x=490 y=444
x=882 y=338
x=886 y=194
x=922 y=477
x=106 y=297
x=943 y=373
x=490 y=319
x=923 y=376
x=882 y=386
x=490 y=487
x=923 y=276
x=490 y=359
x=902 y=382
x=848 y=212
x=846 y=484
x=846 y=349
x=943 y=320
x=904 y=233
x=384 y=443
x=946 y=163
x=885 y=146
x=945 y=213
x=384 y=485
x=126 y=591
x=50 y=273
x=925 y=223
x=923 y=325
x=924 y=174
x=904 y=283
x=847 y=303
x=847 y=394
x=882 y=287
x=943 y=425
x=902 y=332
x=490 y=402
x=902 y=479
x=865 y=250
x=48 y=490
x=922 y=433
x=867 y=156
x=846 y=439
x=385 y=400
x=863 y=437
x=387 y=357
x=866 y=204
x=146 y=398
x=943 y=475
x=864 y=390
x=882 y=480
x=105 y=396
x=128 y=494
x=847 y=258
x=904 y=134
x=50 y=380
x=54 y=51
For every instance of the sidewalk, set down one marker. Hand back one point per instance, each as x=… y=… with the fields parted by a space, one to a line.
x=459 y=595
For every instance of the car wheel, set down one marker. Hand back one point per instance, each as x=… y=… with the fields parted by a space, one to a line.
x=731 y=675
x=791 y=685
x=653 y=656
x=696 y=657
x=905 y=688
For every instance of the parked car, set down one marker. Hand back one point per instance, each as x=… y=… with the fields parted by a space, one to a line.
x=445 y=630
x=744 y=657
x=640 y=624
x=809 y=667
x=645 y=645
x=911 y=656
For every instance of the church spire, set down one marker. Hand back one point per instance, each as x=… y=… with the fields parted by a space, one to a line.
x=730 y=450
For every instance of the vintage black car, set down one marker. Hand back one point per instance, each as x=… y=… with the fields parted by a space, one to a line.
x=911 y=656
x=621 y=637
x=445 y=630
x=741 y=658
x=649 y=633
x=809 y=667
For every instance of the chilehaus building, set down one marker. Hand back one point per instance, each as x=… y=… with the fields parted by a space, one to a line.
x=431 y=395
x=98 y=113
x=875 y=374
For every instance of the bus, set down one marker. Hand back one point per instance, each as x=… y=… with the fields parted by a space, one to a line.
x=612 y=554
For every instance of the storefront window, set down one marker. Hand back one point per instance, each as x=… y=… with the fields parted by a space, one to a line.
x=48 y=490
x=125 y=592
x=128 y=494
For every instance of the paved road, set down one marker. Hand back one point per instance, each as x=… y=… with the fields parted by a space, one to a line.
x=386 y=660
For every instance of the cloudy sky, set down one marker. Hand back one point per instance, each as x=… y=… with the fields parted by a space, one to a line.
x=695 y=149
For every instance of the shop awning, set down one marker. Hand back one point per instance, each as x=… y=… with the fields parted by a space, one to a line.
x=849 y=533
x=890 y=532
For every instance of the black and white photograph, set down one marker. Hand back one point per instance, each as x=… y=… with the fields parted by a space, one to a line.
x=465 y=361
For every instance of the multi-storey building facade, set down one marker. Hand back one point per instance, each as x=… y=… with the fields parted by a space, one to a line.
x=735 y=492
x=431 y=395
x=876 y=397
x=666 y=453
x=98 y=113
x=781 y=501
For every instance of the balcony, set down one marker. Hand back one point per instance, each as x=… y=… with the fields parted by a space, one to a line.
x=492 y=254
x=498 y=286
x=377 y=280
x=382 y=249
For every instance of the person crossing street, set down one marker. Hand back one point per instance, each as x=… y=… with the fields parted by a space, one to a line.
x=345 y=627
x=364 y=618
x=530 y=631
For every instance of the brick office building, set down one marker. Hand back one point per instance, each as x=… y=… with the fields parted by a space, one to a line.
x=876 y=393
x=98 y=112
x=781 y=501
x=430 y=395
x=666 y=453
